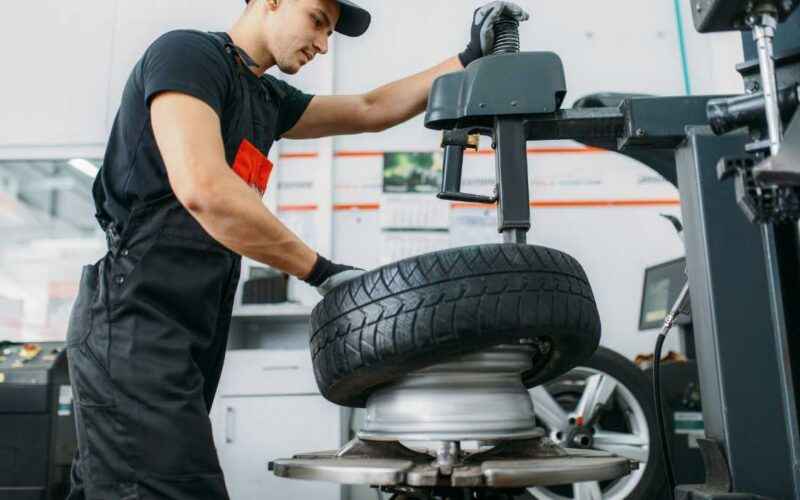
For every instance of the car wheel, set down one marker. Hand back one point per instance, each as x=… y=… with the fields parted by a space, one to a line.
x=428 y=309
x=604 y=404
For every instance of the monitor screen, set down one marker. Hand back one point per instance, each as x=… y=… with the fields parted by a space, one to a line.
x=662 y=285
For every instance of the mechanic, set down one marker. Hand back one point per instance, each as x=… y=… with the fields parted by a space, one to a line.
x=179 y=197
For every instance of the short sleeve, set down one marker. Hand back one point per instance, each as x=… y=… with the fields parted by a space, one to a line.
x=189 y=62
x=293 y=103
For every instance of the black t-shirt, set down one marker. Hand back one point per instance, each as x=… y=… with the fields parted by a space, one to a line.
x=198 y=64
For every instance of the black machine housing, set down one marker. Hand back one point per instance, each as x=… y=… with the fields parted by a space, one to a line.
x=483 y=100
x=731 y=15
x=475 y=96
x=37 y=426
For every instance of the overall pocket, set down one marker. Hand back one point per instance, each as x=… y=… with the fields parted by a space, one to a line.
x=80 y=319
x=88 y=342
x=87 y=346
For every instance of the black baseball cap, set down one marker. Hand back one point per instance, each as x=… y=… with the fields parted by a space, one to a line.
x=353 y=21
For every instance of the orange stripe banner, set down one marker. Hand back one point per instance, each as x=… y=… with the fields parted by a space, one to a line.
x=294 y=156
x=357 y=206
x=297 y=208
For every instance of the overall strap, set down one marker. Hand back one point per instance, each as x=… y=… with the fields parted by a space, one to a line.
x=240 y=56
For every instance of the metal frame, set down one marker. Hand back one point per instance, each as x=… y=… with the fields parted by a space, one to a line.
x=509 y=465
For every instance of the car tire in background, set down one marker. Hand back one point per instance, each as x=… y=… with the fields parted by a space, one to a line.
x=627 y=426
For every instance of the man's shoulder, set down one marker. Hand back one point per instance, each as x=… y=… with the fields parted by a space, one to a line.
x=281 y=88
x=272 y=79
x=188 y=61
x=187 y=39
x=274 y=82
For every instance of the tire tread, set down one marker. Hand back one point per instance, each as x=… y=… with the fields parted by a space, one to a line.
x=417 y=311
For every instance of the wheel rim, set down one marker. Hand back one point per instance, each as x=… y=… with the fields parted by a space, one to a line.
x=475 y=397
x=598 y=388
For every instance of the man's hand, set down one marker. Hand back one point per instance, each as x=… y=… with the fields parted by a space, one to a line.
x=325 y=276
x=482 y=32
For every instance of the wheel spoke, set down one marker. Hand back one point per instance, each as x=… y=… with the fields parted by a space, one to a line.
x=625 y=445
x=596 y=394
x=548 y=410
x=587 y=491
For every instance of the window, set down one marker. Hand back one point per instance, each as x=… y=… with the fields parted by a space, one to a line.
x=47 y=234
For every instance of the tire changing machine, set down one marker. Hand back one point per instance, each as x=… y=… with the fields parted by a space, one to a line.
x=479 y=398
x=739 y=181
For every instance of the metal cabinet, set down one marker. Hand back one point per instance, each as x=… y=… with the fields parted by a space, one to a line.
x=268 y=407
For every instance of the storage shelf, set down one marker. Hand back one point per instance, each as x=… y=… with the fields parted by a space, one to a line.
x=286 y=310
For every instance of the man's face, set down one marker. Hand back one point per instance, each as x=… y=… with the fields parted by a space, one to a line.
x=299 y=30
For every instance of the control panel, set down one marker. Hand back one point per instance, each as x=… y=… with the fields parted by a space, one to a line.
x=37 y=424
x=28 y=363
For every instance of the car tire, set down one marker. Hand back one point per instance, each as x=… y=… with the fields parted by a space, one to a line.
x=652 y=483
x=427 y=309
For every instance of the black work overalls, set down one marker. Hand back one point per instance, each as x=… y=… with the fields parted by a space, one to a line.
x=147 y=338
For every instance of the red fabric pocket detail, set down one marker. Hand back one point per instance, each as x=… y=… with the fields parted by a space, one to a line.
x=252 y=166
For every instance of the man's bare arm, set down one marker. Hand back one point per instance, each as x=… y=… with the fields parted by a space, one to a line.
x=188 y=135
x=375 y=111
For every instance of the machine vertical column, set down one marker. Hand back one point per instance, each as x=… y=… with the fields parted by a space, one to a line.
x=514 y=213
x=782 y=250
x=740 y=378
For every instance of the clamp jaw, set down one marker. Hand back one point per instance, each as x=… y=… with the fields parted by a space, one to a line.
x=455 y=142
x=483 y=100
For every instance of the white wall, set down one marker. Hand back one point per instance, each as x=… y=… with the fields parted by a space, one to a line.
x=56 y=66
x=65 y=65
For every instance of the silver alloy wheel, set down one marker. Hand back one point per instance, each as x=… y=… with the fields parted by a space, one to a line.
x=476 y=397
x=596 y=388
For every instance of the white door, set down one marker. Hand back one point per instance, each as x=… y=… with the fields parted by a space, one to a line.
x=251 y=431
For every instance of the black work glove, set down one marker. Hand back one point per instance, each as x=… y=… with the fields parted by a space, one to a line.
x=325 y=276
x=482 y=33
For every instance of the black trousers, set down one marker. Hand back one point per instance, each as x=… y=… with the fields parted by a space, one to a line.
x=146 y=344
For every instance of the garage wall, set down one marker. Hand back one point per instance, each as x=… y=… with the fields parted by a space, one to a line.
x=56 y=65
x=66 y=67
x=66 y=63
